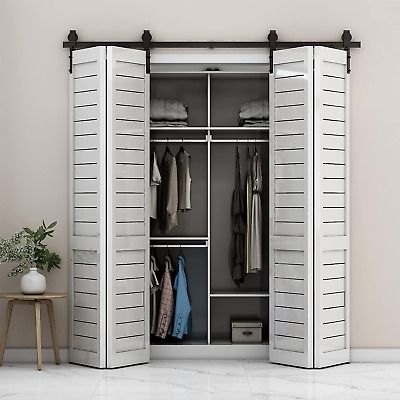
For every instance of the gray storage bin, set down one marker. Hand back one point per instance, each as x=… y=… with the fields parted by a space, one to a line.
x=246 y=331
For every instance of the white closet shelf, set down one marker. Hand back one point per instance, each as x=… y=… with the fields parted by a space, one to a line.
x=211 y=141
x=239 y=128
x=237 y=294
x=178 y=128
x=178 y=246
x=208 y=128
x=227 y=342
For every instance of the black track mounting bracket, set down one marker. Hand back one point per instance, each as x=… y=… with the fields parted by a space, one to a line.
x=146 y=38
x=272 y=39
x=346 y=38
x=73 y=39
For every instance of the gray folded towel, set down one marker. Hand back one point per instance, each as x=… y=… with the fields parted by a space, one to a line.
x=167 y=110
x=258 y=109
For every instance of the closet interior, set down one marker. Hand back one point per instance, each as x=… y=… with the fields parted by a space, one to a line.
x=213 y=137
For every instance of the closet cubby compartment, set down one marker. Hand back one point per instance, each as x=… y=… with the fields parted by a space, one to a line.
x=191 y=223
x=223 y=310
x=223 y=159
x=197 y=279
x=190 y=89
x=229 y=91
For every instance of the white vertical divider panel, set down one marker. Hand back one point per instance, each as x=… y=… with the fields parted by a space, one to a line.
x=128 y=332
x=291 y=208
x=87 y=239
x=331 y=199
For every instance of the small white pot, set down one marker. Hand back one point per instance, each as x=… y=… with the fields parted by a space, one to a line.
x=33 y=282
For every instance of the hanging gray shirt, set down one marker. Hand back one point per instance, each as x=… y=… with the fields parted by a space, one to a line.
x=155 y=181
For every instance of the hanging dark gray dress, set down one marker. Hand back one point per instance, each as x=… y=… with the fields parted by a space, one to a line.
x=248 y=205
x=238 y=228
x=256 y=215
x=168 y=198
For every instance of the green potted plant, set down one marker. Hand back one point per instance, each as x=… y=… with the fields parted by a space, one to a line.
x=27 y=250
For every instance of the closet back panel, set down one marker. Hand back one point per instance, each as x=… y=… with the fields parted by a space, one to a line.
x=223 y=310
x=193 y=222
x=190 y=90
x=229 y=92
x=223 y=159
x=196 y=275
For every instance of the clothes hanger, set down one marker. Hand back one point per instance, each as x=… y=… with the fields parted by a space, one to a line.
x=180 y=251
x=167 y=149
x=153 y=269
x=181 y=149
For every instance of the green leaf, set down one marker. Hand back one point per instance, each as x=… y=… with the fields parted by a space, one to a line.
x=29 y=231
x=52 y=225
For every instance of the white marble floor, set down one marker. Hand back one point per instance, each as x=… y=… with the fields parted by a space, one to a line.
x=199 y=379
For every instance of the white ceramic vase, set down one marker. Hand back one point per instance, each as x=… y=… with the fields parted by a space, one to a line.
x=33 y=282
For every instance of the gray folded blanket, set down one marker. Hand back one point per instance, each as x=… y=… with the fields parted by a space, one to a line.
x=258 y=109
x=160 y=124
x=167 y=110
x=254 y=122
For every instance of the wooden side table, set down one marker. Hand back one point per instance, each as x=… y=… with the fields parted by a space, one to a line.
x=36 y=301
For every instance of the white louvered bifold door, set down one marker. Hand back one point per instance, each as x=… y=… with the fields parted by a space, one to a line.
x=291 y=208
x=331 y=202
x=127 y=212
x=87 y=207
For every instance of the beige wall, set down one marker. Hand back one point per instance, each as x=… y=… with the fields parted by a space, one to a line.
x=34 y=123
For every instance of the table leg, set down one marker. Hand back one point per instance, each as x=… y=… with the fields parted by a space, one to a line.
x=38 y=335
x=7 y=320
x=50 y=310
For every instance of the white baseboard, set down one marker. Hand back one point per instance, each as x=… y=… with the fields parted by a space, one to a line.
x=375 y=355
x=358 y=355
x=28 y=355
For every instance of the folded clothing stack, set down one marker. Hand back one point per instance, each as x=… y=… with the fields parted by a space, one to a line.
x=167 y=112
x=254 y=113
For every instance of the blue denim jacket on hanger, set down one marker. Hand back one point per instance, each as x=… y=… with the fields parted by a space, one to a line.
x=182 y=319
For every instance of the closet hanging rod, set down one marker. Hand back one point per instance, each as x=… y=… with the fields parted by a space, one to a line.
x=272 y=43
x=199 y=238
x=178 y=140
x=240 y=141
